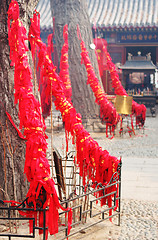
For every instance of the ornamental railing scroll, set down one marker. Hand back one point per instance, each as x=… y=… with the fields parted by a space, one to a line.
x=8 y=215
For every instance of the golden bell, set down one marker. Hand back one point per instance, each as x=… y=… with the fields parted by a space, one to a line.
x=123 y=104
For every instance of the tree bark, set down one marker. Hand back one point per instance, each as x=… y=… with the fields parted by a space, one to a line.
x=12 y=147
x=74 y=13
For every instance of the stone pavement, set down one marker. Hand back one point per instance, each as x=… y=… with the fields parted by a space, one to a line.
x=139 y=174
x=139 y=201
x=140 y=178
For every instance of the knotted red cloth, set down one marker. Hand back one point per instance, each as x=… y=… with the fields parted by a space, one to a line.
x=64 y=66
x=138 y=110
x=108 y=112
x=37 y=168
x=50 y=44
x=91 y=159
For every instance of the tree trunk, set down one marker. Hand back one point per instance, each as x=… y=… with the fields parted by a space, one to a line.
x=74 y=13
x=12 y=147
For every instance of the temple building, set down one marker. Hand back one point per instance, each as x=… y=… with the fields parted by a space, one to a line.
x=130 y=28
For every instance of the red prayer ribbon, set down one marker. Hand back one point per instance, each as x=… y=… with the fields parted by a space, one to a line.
x=108 y=112
x=94 y=163
x=37 y=168
x=64 y=66
x=138 y=110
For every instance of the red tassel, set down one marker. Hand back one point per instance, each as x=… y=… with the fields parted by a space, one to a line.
x=64 y=66
x=50 y=47
x=138 y=110
x=108 y=113
x=34 y=32
x=90 y=157
x=53 y=217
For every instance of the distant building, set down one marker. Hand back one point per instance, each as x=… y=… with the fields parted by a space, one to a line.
x=128 y=26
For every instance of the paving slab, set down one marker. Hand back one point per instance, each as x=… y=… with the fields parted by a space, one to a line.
x=140 y=178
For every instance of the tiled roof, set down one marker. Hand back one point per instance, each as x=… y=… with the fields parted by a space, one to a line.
x=138 y=62
x=137 y=65
x=44 y=9
x=112 y=13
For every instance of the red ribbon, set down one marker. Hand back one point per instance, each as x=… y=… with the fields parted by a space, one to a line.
x=37 y=168
x=138 y=110
x=91 y=159
x=108 y=112
x=13 y=124
x=64 y=66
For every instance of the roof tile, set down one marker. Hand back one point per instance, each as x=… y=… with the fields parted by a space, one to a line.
x=111 y=13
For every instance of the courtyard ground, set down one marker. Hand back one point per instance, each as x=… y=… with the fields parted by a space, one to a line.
x=139 y=201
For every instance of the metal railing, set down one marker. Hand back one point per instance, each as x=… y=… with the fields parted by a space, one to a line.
x=85 y=202
x=14 y=222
